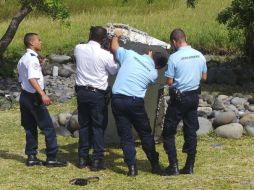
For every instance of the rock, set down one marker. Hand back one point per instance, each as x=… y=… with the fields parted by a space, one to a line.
x=218 y=105
x=231 y=108
x=205 y=126
x=76 y=134
x=251 y=100
x=61 y=59
x=62 y=131
x=70 y=67
x=250 y=107
x=224 y=118
x=5 y=104
x=222 y=98
x=74 y=125
x=250 y=129
x=232 y=130
x=247 y=119
x=180 y=126
x=63 y=118
x=203 y=103
x=64 y=72
x=204 y=111
x=238 y=102
x=55 y=121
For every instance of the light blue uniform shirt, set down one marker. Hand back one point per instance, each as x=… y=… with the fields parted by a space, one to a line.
x=186 y=67
x=135 y=74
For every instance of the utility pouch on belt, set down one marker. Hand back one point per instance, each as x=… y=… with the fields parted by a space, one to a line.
x=175 y=95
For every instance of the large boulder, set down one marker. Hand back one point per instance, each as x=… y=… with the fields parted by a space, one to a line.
x=232 y=130
x=62 y=131
x=247 y=119
x=205 y=126
x=223 y=118
x=63 y=118
x=73 y=123
x=250 y=129
x=218 y=104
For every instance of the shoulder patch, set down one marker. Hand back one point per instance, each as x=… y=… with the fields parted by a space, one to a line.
x=32 y=54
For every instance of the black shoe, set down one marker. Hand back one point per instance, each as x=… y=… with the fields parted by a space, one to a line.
x=132 y=171
x=84 y=162
x=156 y=169
x=97 y=165
x=55 y=163
x=32 y=160
x=189 y=165
x=171 y=170
x=186 y=170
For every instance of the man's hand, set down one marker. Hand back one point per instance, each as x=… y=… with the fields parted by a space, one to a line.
x=118 y=32
x=46 y=100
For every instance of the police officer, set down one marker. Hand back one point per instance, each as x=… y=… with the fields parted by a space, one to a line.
x=94 y=64
x=134 y=76
x=186 y=67
x=33 y=102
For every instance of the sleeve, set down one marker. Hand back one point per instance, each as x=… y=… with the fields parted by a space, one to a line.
x=34 y=69
x=111 y=65
x=204 y=67
x=120 y=54
x=170 y=72
x=155 y=76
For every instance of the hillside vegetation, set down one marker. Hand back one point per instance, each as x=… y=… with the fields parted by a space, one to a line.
x=158 y=19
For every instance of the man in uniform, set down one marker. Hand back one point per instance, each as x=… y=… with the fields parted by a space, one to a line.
x=33 y=102
x=94 y=64
x=134 y=76
x=186 y=67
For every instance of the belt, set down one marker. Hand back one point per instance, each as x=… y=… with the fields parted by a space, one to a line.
x=192 y=92
x=90 y=88
x=125 y=96
x=29 y=93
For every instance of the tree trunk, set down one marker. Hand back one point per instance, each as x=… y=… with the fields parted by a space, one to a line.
x=12 y=29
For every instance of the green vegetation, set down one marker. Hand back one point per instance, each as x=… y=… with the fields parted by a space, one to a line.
x=158 y=19
x=221 y=163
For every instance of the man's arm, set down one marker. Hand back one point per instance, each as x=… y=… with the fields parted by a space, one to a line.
x=114 y=43
x=169 y=81
x=204 y=76
x=45 y=99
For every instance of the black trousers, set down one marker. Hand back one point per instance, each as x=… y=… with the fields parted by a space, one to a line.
x=34 y=113
x=92 y=117
x=185 y=110
x=130 y=111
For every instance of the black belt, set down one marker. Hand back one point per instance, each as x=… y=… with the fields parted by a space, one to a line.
x=29 y=93
x=90 y=88
x=125 y=96
x=192 y=92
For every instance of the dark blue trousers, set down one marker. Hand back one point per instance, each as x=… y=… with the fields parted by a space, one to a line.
x=130 y=111
x=34 y=113
x=91 y=116
x=185 y=110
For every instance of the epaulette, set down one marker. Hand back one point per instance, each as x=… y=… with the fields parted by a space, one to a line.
x=32 y=54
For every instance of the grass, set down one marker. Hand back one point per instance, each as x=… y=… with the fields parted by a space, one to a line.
x=158 y=19
x=221 y=163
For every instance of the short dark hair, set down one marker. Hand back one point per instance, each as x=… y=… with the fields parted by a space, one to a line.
x=28 y=38
x=160 y=59
x=177 y=35
x=98 y=33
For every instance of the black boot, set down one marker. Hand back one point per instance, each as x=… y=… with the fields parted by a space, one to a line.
x=32 y=160
x=132 y=171
x=172 y=169
x=53 y=162
x=189 y=165
x=97 y=165
x=156 y=168
x=84 y=162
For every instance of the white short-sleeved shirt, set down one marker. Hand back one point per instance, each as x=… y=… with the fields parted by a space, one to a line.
x=94 y=64
x=29 y=68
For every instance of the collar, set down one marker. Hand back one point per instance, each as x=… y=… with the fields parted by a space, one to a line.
x=28 y=50
x=184 y=47
x=94 y=43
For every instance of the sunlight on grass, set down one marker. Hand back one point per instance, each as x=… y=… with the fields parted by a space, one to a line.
x=221 y=163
